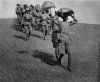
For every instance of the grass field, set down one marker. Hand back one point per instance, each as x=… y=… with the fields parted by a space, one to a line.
x=34 y=60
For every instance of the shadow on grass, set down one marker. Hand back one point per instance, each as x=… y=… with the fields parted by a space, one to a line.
x=99 y=69
x=19 y=37
x=22 y=52
x=37 y=36
x=18 y=28
x=16 y=25
x=45 y=57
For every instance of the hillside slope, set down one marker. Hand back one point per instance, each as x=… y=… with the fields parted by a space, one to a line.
x=34 y=60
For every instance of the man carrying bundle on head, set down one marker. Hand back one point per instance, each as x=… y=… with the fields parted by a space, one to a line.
x=63 y=39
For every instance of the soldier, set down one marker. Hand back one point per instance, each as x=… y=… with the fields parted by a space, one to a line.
x=61 y=40
x=64 y=40
x=37 y=16
x=55 y=22
x=27 y=21
x=37 y=8
x=54 y=36
x=32 y=12
x=37 y=19
x=44 y=19
x=49 y=23
x=23 y=10
x=17 y=10
x=19 y=13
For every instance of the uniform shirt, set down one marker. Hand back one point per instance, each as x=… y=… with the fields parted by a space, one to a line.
x=64 y=31
x=64 y=27
x=44 y=18
x=33 y=13
x=38 y=15
x=55 y=22
x=27 y=19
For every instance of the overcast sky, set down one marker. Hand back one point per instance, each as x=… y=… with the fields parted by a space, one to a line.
x=86 y=11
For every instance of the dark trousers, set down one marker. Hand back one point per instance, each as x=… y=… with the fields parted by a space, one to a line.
x=45 y=31
x=60 y=55
x=27 y=31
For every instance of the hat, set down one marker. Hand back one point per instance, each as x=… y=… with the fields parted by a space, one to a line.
x=27 y=9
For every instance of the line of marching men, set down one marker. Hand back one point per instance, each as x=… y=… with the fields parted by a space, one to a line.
x=32 y=18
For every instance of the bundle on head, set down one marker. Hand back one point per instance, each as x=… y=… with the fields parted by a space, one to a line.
x=65 y=12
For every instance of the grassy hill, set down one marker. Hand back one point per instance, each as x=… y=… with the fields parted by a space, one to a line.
x=34 y=60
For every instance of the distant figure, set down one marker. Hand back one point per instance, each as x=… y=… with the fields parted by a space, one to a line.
x=37 y=14
x=18 y=10
x=27 y=21
x=54 y=36
x=37 y=8
x=32 y=12
x=44 y=19
x=55 y=29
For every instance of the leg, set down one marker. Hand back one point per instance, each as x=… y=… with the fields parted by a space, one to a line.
x=69 y=62
x=36 y=25
x=67 y=50
x=48 y=30
x=43 y=30
x=56 y=53
x=29 y=33
x=22 y=28
x=30 y=30
x=60 y=57
x=26 y=32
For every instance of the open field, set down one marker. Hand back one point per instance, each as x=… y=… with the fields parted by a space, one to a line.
x=34 y=60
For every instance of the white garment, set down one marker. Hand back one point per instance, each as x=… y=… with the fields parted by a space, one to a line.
x=53 y=11
x=60 y=19
x=70 y=19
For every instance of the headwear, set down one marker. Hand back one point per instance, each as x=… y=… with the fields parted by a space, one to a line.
x=27 y=9
x=18 y=4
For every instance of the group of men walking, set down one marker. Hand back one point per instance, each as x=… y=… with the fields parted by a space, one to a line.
x=32 y=17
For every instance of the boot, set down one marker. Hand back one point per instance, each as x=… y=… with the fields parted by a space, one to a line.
x=29 y=33
x=27 y=36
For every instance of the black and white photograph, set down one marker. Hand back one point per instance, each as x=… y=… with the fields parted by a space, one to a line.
x=49 y=40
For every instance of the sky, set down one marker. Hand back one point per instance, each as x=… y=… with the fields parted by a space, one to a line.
x=86 y=11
